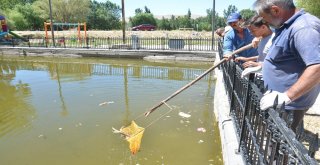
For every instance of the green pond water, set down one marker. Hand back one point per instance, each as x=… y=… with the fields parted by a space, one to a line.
x=60 y=111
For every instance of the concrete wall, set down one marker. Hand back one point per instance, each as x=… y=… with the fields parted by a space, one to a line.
x=112 y=53
x=228 y=133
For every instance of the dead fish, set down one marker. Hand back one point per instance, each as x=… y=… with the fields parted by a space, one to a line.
x=120 y=132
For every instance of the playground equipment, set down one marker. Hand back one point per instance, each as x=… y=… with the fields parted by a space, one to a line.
x=4 y=30
x=66 y=26
x=6 y=35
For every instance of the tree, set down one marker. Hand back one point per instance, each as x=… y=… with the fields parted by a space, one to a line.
x=219 y=21
x=138 y=11
x=231 y=9
x=24 y=17
x=104 y=16
x=164 y=24
x=312 y=6
x=247 y=14
x=10 y=4
x=147 y=10
x=143 y=18
x=66 y=11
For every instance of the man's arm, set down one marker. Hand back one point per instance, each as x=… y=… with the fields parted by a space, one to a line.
x=309 y=79
x=228 y=44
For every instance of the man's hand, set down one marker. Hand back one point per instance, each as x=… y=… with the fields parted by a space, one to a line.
x=250 y=64
x=269 y=97
x=255 y=42
x=247 y=71
x=228 y=57
x=238 y=59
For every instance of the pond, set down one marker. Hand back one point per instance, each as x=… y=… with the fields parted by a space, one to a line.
x=62 y=111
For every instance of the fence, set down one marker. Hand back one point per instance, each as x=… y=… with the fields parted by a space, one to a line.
x=264 y=136
x=133 y=42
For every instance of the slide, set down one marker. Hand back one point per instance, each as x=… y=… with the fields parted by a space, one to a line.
x=2 y=34
x=17 y=36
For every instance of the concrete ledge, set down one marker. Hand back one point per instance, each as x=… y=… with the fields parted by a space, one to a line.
x=229 y=139
x=159 y=57
x=110 y=53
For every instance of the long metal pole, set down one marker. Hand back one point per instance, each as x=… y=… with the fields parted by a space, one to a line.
x=52 y=31
x=197 y=79
x=213 y=21
x=123 y=23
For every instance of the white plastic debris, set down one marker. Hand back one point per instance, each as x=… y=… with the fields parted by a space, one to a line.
x=184 y=115
x=60 y=128
x=200 y=141
x=106 y=102
x=201 y=129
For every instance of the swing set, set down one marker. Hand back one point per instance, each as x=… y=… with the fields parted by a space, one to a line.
x=81 y=29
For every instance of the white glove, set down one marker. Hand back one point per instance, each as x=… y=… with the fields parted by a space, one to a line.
x=268 y=98
x=247 y=71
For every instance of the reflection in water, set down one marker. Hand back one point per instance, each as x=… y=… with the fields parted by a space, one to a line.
x=126 y=96
x=72 y=128
x=15 y=112
x=64 y=111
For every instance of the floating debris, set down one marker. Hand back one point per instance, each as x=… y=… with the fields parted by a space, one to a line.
x=106 y=102
x=200 y=141
x=60 y=129
x=184 y=115
x=201 y=129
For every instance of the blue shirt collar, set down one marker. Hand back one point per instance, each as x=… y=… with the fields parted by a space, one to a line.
x=294 y=17
x=290 y=20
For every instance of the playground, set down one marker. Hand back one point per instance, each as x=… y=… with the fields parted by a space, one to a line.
x=7 y=36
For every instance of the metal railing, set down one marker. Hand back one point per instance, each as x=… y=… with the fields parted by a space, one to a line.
x=264 y=136
x=131 y=43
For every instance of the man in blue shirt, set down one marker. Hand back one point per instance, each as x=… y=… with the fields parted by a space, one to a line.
x=291 y=68
x=237 y=37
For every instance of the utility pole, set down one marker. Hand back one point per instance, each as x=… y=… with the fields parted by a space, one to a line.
x=123 y=23
x=213 y=22
x=52 y=32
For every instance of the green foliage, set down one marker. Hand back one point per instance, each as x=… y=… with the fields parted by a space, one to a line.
x=10 y=4
x=30 y=15
x=147 y=10
x=219 y=21
x=164 y=24
x=231 y=9
x=24 y=17
x=143 y=18
x=17 y=20
x=312 y=6
x=104 y=16
x=247 y=14
x=72 y=11
x=138 y=11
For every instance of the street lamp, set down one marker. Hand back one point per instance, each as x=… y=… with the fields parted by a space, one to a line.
x=52 y=32
x=213 y=22
x=123 y=23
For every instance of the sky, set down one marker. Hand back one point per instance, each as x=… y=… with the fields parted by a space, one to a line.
x=180 y=7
